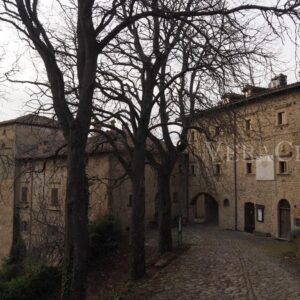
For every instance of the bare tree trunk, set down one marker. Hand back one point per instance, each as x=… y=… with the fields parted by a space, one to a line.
x=165 y=212
x=76 y=222
x=137 y=236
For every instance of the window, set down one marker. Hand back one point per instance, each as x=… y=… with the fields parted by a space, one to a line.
x=217 y=170
x=249 y=168
x=260 y=212
x=193 y=136
x=193 y=170
x=23 y=226
x=282 y=167
x=54 y=197
x=248 y=124
x=24 y=192
x=217 y=130
x=129 y=201
x=297 y=222
x=280 y=118
x=175 y=197
x=226 y=202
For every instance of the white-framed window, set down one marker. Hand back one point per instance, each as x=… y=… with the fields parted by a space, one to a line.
x=283 y=167
x=281 y=118
x=249 y=169
x=248 y=124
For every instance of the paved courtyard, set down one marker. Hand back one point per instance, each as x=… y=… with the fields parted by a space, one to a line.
x=223 y=265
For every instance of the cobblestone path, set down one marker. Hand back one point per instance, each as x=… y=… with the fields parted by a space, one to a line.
x=223 y=265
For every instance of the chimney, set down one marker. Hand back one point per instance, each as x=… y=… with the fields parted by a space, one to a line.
x=278 y=81
x=113 y=123
x=97 y=128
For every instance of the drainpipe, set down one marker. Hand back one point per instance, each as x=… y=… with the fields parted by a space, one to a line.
x=31 y=205
x=187 y=186
x=235 y=172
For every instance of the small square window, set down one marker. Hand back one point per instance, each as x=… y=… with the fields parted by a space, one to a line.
x=282 y=167
x=280 y=118
x=24 y=193
x=54 y=197
x=130 y=200
x=248 y=124
x=249 y=168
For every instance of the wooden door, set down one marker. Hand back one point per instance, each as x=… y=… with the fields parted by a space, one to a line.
x=284 y=219
x=249 y=217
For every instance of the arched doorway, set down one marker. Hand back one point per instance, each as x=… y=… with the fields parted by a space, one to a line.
x=284 y=219
x=206 y=209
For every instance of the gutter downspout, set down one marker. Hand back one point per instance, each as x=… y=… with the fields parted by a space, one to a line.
x=235 y=173
x=187 y=187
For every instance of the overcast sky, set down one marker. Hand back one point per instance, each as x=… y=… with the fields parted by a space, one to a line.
x=14 y=97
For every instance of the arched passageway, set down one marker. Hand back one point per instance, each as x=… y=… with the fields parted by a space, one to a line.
x=206 y=209
x=284 y=219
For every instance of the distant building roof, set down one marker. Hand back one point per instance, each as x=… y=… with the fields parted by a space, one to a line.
x=32 y=120
x=265 y=93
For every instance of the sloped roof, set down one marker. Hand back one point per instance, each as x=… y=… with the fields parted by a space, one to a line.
x=263 y=95
x=32 y=120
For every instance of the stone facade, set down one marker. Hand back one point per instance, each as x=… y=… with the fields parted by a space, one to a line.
x=249 y=161
x=33 y=185
x=242 y=172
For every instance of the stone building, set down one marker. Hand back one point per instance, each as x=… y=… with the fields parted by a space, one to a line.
x=33 y=183
x=247 y=166
x=241 y=172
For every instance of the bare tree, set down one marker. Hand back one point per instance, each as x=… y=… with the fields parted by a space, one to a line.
x=70 y=54
x=148 y=95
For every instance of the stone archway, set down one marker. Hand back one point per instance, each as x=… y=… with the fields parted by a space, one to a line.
x=206 y=209
x=284 y=219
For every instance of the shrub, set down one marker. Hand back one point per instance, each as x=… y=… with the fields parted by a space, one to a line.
x=104 y=236
x=9 y=271
x=36 y=285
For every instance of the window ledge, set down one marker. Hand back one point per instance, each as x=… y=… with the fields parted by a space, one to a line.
x=283 y=174
x=282 y=125
x=22 y=205
x=54 y=208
